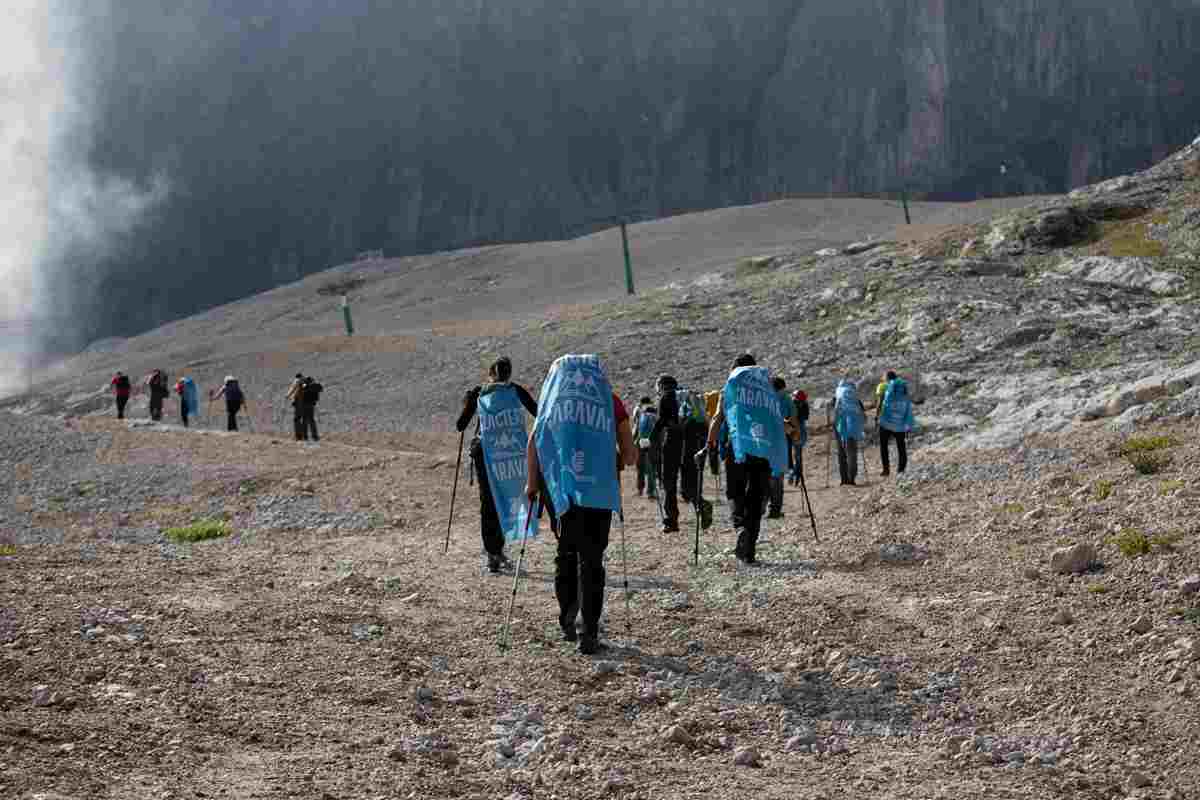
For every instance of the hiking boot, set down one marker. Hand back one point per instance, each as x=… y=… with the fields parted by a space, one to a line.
x=589 y=644
x=652 y=496
x=885 y=473
x=706 y=511
x=566 y=621
x=670 y=527
x=504 y=562
x=494 y=565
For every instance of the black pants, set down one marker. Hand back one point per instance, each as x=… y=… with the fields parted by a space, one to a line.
x=489 y=520
x=749 y=484
x=694 y=435
x=579 y=566
x=121 y=403
x=672 y=455
x=156 y=403
x=848 y=459
x=306 y=422
x=183 y=413
x=776 y=504
x=901 y=448
x=231 y=424
x=298 y=426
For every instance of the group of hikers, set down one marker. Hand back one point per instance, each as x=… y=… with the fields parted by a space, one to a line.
x=569 y=465
x=303 y=395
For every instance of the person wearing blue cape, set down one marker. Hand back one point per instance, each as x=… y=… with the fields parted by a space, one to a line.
x=751 y=413
x=498 y=402
x=580 y=440
x=849 y=417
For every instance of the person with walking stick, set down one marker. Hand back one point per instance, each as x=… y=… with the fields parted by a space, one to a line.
x=751 y=410
x=581 y=438
x=499 y=403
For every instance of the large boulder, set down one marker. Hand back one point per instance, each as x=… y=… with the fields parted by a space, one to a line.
x=1127 y=273
x=1074 y=559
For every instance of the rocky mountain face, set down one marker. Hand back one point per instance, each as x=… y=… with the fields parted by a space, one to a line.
x=295 y=136
x=1076 y=310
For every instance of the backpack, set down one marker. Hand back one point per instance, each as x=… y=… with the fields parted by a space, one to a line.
x=646 y=424
x=800 y=399
x=312 y=392
x=691 y=406
x=233 y=396
x=123 y=383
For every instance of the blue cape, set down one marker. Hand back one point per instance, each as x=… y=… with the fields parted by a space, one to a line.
x=191 y=397
x=576 y=436
x=754 y=415
x=848 y=414
x=897 y=412
x=502 y=436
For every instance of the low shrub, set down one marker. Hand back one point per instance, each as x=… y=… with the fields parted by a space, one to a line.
x=1148 y=462
x=200 y=531
x=1145 y=444
x=1132 y=543
x=8 y=549
x=1102 y=490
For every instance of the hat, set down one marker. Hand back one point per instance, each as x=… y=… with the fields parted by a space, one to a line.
x=230 y=379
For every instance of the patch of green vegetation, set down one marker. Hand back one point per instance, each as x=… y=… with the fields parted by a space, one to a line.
x=1097 y=588
x=1132 y=543
x=200 y=531
x=1148 y=463
x=8 y=550
x=756 y=265
x=680 y=330
x=1145 y=444
x=1012 y=508
x=1192 y=615
x=1102 y=490
x=1166 y=541
x=84 y=489
x=1169 y=487
x=252 y=486
x=1128 y=239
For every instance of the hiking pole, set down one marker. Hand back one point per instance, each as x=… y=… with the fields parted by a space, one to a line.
x=624 y=572
x=516 y=581
x=462 y=435
x=804 y=488
x=699 y=458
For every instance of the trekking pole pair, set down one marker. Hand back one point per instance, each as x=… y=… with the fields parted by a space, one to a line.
x=804 y=488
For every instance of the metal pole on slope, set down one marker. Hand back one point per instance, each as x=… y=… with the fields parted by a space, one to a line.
x=904 y=200
x=628 y=260
x=346 y=316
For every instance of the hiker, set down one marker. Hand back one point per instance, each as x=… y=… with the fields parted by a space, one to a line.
x=295 y=396
x=800 y=403
x=310 y=393
x=121 y=389
x=786 y=408
x=895 y=421
x=849 y=415
x=498 y=400
x=751 y=410
x=156 y=385
x=679 y=433
x=189 y=403
x=234 y=398
x=580 y=440
x=643 y=423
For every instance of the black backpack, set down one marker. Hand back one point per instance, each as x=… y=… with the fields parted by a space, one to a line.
x=123 y=382
x=312 y=392
x=233 y=396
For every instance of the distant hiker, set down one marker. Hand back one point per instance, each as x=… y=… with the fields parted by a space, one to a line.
x=786 y=408
x=156 y=386
x=234 y=398
x=679 y=432
x=310 y=394
x=121 y=389
x=751 y=410
x=189 y=399
x=295 y=396
x=499 y=439
x=848 y=414
x=643 y=424
x=800 y=403
x=895 y=421
x=580 y=440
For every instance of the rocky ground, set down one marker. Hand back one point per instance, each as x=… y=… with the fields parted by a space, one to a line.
x=1016 y=616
